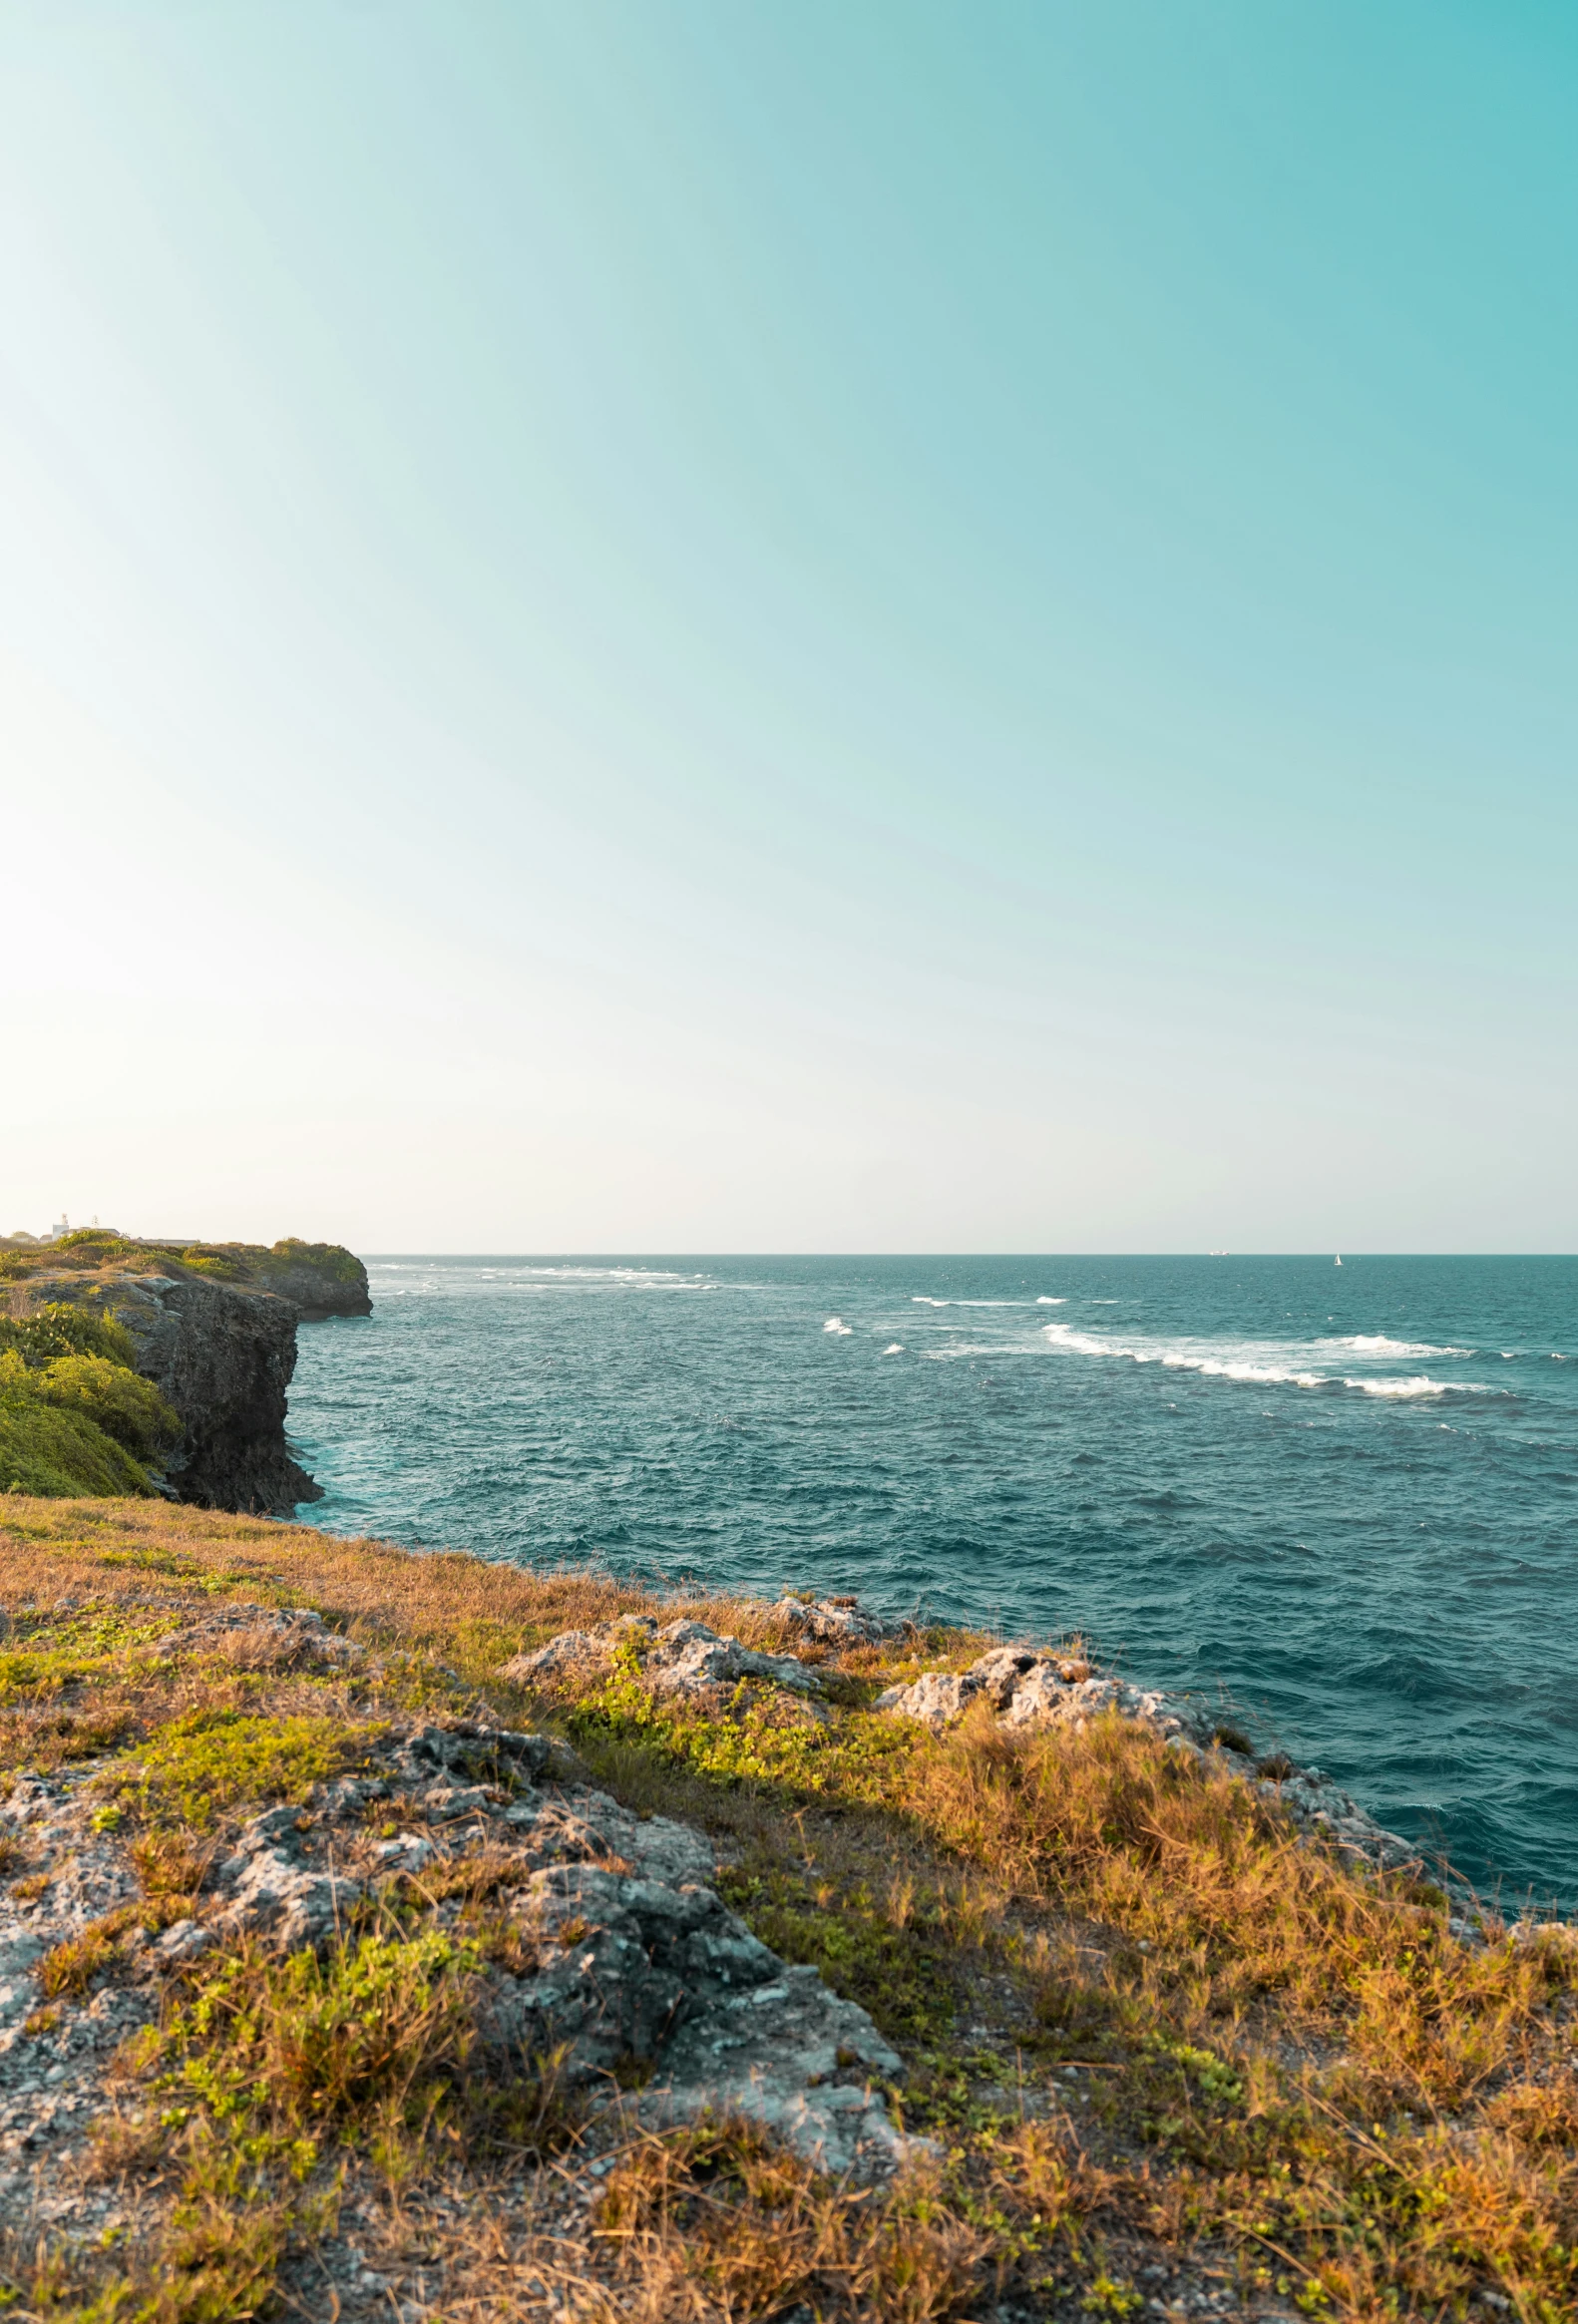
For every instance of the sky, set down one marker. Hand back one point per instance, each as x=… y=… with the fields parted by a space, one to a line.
x=675 y=627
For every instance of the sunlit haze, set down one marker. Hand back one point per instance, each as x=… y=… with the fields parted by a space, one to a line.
x=679 y=628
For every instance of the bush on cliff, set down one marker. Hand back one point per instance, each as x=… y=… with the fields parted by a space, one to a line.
x=62 y=1329
x=54 y=1451
x=75 y=1418
x=330 y=1259
x=120 y=1402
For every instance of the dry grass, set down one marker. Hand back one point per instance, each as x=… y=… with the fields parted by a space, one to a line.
x=720 y=2221
x=1146 y=2026
x=440 y=1600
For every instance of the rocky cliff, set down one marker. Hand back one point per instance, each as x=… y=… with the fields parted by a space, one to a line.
x=213 y=1326
x=224 y=1358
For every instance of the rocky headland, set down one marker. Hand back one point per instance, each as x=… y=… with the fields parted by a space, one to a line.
x=213 y=1329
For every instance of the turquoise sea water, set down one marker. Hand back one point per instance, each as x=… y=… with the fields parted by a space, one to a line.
x=1349 y=1496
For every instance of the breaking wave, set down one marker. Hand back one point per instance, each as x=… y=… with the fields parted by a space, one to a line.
x=1377 y=1344
x=1261 y=1365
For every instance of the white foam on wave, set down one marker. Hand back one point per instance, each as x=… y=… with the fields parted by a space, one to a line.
x=837 y=1326
x=1046 y=1302
x=1424 y=1385
x=895 y=1349
x=919 y=1299
x=605 y=1275
x=1377 y=1344
x=1262 y=1364
x=1266 y=1374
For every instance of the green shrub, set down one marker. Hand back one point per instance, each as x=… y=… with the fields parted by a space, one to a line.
x=64 y=1329
x=330 y=1259
x=124 y=1405
x=45 y=1450
x=88 y=1247
x=226 y=1266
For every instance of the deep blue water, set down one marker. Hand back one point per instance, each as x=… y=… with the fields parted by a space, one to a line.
x=1349 y=1496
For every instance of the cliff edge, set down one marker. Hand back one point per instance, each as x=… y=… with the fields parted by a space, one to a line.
x=214 y=1328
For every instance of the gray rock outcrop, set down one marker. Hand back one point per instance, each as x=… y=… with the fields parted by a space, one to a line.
x=622 y=1949
x=678 y=1658
x=837 y=1622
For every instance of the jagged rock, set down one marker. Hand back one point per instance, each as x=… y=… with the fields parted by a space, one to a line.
x=1028 y=1688
x=834 y=1622
x=224 y=1358
x=279 y=1898
x=182 y=1942
x=682 y=1658
x=573 y=1655
x=270 y=1636
x=935 y=1699
x=633 y=1966
x=637 y=1955
x=687 y=1656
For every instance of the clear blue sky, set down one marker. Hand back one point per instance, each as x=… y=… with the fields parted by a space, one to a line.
x=791 y=627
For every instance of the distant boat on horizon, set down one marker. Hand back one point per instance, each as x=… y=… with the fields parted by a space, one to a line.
x=1337 y=1260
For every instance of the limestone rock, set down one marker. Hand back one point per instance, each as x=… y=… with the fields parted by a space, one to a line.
x=635 y=1966
x=682 y=1658
x=267 y=1637
x=834 y=1622
x=574 y=1654
x=278 y=1897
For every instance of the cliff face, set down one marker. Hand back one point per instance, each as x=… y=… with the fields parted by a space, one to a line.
x=214 y=1328
x=224 y=1358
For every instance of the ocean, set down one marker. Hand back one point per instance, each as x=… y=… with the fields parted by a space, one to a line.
x=1342 y=1499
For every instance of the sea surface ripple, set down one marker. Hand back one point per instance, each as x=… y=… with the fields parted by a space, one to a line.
x=1347 y=1496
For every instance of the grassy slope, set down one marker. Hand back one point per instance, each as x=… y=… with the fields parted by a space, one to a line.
x=250 y=1265
x=1157 y=2040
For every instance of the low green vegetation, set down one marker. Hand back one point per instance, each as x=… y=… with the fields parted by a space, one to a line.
x=330 y=1259
x=88 y=1249
x=208 y=1760
x=47 y=1450
x=75 y=1418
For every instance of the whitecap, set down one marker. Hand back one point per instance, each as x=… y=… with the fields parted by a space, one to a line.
x=1377 y=1344
x=1260 y=1363
x=1080 y=1342
x=895 y=1349
x=919 y=1299
x=837 y=1326
x=1044 y=1302
x=1420 y=1386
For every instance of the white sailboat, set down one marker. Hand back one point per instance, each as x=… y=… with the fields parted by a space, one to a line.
x=1337 y=1260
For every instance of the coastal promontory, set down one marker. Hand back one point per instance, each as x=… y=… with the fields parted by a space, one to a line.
x=210 y=1328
